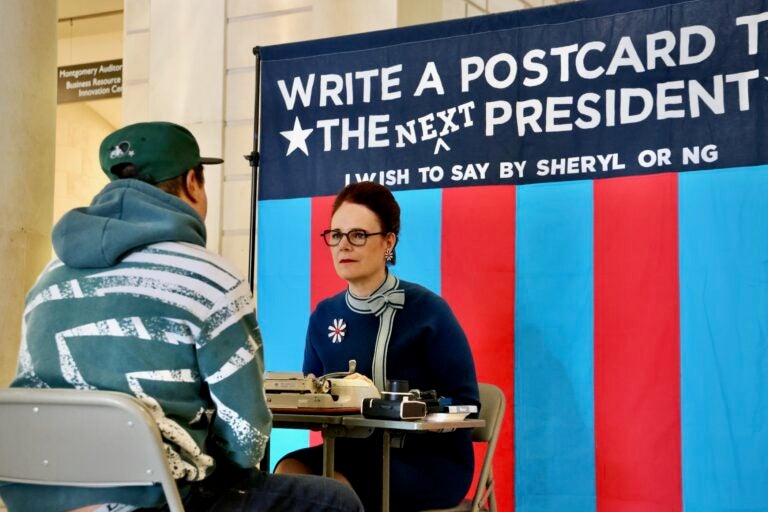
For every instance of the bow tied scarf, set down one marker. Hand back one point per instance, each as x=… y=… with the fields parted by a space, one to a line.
x=383 y=303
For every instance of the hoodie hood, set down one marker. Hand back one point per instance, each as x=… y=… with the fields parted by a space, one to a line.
x=124 y=216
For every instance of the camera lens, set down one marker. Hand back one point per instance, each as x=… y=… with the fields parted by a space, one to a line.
x=397 y=386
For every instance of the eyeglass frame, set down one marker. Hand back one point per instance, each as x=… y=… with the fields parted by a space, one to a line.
x=326 y=232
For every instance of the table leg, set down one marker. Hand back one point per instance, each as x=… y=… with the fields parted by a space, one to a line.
x=329 y=442
x=385 y=471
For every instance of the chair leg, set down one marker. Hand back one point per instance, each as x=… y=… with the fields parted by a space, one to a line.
x=485 y=500
x=491 y=493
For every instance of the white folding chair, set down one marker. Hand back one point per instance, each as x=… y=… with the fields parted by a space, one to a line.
x=81 y=438
x=492 y=404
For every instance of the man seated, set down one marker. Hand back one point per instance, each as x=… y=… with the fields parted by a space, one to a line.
x=135 y=303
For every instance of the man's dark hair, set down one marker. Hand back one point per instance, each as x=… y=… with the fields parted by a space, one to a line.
x=172 y=186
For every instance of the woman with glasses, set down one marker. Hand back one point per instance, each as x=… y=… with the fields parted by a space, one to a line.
x=394 y=330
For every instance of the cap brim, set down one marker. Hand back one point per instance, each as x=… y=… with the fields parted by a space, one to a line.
x=207 y=160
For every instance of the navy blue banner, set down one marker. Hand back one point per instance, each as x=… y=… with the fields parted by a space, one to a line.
x=585 y=92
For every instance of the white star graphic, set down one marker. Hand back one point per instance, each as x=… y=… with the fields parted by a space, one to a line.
x=297 y=138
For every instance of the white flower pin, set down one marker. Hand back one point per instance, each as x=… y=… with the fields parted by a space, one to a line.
x=337 y=330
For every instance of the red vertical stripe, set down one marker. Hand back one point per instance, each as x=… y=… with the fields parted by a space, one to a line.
x=478 y=281
x=637 y=348
x=324 y=281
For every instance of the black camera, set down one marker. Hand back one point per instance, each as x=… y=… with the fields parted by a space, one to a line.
x=396 y=403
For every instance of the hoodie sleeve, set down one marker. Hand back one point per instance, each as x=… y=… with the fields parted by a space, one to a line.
x=231 y=360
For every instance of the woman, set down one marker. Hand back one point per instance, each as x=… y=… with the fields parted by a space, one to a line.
x=394 y=330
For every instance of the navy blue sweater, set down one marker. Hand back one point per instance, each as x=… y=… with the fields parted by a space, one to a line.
x=429 y=349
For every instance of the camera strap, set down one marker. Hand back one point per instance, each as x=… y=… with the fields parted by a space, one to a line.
x=383 y=303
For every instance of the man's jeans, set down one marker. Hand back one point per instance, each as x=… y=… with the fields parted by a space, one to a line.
x=257 y=491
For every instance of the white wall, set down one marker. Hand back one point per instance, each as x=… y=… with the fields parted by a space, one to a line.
x=174 y=71
x=79 y=131
x=27 y=108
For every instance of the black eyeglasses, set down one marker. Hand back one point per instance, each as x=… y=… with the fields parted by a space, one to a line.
x=356 y=237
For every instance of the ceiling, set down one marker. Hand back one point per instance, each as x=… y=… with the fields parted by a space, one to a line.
x=79 y=18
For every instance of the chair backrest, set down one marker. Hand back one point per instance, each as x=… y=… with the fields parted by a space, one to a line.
x=81 y=438
x=492 y=405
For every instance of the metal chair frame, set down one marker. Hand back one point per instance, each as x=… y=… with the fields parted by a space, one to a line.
x=81 y=438
x=492 y=405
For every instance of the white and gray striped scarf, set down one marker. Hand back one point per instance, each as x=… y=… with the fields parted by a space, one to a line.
x=384 y=303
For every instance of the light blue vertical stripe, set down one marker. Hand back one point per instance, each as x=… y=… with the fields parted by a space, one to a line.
x=418 y=251
x=282 y=288
x=554 y=404
x=724 y=339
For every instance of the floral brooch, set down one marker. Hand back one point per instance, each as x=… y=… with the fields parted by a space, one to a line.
x=337 y=330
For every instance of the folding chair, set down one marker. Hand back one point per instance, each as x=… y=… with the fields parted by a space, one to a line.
x=81 y=438
x=492 y=404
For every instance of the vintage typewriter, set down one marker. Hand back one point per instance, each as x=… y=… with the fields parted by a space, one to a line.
x=330 y=393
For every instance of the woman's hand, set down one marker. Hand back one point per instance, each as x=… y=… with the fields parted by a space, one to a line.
x=360 y=376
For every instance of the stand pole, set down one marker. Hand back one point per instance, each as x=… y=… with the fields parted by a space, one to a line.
x=253 y=158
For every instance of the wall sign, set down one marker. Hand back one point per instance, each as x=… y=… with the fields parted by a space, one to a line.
x=90 y=81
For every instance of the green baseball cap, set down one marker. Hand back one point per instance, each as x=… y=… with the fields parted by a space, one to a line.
x=158 y=150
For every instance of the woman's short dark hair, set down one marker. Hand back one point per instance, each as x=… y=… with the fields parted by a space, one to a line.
x=376 y=198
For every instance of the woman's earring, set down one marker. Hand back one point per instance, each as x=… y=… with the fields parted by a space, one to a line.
x=388 y=255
